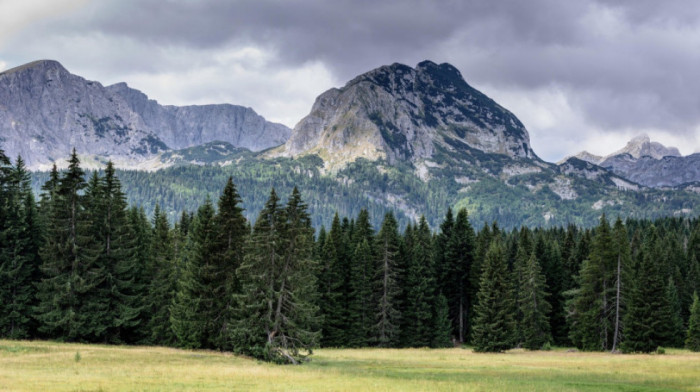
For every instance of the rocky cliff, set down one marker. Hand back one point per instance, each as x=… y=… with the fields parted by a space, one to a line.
x=45 y=112
x=649 y=163
x=397 y=112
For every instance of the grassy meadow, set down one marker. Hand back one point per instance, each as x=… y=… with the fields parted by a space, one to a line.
x=49 y=366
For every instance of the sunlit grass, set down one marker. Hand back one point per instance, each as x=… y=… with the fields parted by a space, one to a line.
x=47 y=366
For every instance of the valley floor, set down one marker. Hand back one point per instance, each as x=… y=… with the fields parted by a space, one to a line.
x=48 y=366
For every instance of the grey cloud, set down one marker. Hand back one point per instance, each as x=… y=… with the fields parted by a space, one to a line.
x=622 y=63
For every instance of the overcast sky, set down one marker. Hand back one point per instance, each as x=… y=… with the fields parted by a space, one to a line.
x=584 y=74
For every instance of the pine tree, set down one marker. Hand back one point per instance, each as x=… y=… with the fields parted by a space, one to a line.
x=442 y=335
x=676 y=321
x=523 y=250
x=649 y=314
x=591 y=326
x=692 y=341
x=360 y=309
x=69 y=270
x=192 y=314
x=493 y=323
x=121 y=295
x=277 y=312
x=20 y=239
x=417 y=326
x=622 y=279
x=459 y=259
x=332 y=284
x=231 y=236
x=162 y=288
x=387 y=318
x=532 y=300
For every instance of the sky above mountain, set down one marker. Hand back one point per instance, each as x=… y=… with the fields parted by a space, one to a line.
x=586 y=74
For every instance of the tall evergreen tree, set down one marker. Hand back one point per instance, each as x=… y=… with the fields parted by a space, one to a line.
x=332 y=286
x=692 y=341
x=163 y=286
x=360 y=309
x=494 y=324
x=231 y=235
x=591 y=324
x=278 y=316
x=649 y=313
x=19 y=244
x=387 y=317
x=69 y=269
x=417 y=326
x=459 y=259
x=532 y=300
x=193 y=312
x=622 y=276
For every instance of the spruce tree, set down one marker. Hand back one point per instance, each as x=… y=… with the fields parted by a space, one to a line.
x=332 y=284
x=387 y=318
x=20 y=239
x=457 y=287
x=417 y=326
x=442 y=335
x=66 y=309
x=277 y=305
x=692 y=341
x=591 y=326
x=677 y=332
x=622 y=277
x=493 y=323
x=532 y=300
x=192 y=314
x=231 y=236
x=162 y=288
x=649 y=314
x=360 y=309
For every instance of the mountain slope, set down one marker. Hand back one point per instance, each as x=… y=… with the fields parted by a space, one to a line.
x=649 y=163
x=399 y=113
x=45 y=111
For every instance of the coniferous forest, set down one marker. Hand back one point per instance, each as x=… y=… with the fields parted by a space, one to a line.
x=79 y=264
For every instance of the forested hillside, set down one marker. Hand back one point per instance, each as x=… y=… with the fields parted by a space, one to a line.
x=531 y=199
x=82 y=265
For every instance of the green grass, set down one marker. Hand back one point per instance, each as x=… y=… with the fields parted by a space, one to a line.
x=48 y=366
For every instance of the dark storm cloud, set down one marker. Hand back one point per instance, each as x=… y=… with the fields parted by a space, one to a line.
x=620 y=65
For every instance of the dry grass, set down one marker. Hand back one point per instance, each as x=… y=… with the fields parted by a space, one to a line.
x=47 y=366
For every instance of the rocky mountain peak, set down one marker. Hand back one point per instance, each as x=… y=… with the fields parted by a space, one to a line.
x=396 y=112
x=40 y=66
x=45 y=112
x=642 y=145
x=638 y=147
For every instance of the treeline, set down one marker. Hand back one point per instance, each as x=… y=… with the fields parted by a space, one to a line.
x=81 y=265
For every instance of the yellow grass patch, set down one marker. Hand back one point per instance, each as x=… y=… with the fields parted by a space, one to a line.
x=48 y=366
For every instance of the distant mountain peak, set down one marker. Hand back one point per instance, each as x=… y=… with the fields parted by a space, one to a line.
x=396 y=112
x=45 y=112
x=638 y=147
x=38 y=65
x=642 y=145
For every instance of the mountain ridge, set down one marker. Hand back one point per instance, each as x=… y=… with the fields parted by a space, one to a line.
x=45 y=112
x=648 y=163
x=396 y=112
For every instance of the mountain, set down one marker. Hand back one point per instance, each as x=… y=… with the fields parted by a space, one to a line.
x=415 y=141
x=45 y=111
x=638 y=147
x=649 y=163
x=399 y=113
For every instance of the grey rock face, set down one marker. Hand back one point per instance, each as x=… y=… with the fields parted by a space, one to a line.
x=186 y=126
x=649 y=163
x=651 y=172
x=45 y=112
x=401 y=113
